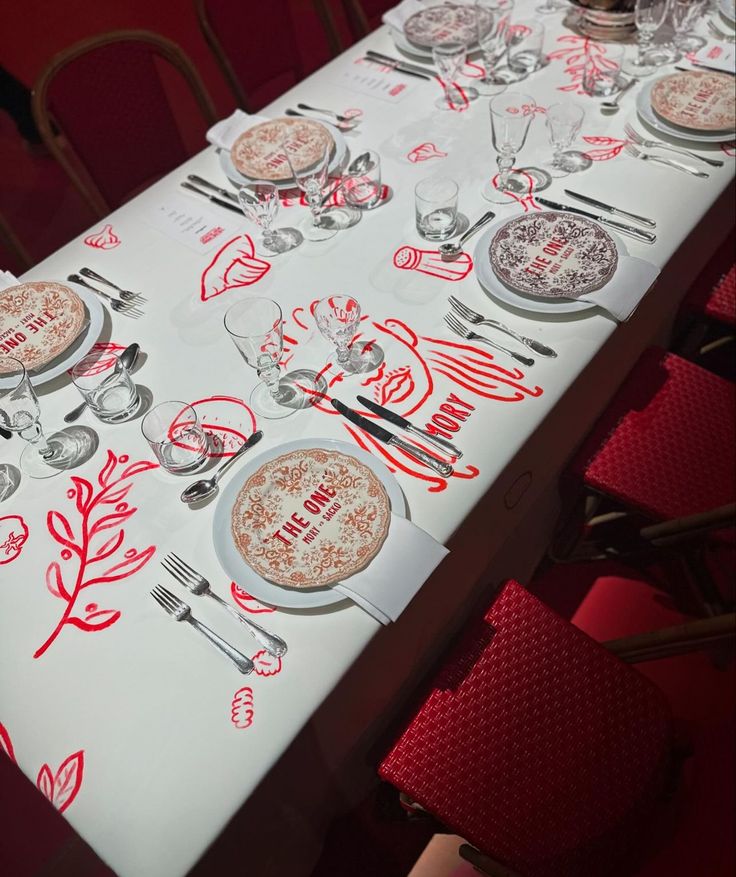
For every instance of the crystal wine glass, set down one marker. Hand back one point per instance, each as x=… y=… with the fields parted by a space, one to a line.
x=491 y=22
x=338 y=317
x=448 y=59
x=685 y=14
x=260 y=204
x=564 y=121
x=311 y=180
x=511 y=115
x=649 y=15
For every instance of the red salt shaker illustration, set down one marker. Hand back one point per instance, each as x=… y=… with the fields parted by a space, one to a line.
x=430 y=262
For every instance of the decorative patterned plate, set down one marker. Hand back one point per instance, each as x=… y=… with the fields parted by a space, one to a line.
x=39 y=321
x=258 y=154
x=231 y=558
x=553 y=255
x=696 y=101
x=647 y=115
x=441 y=24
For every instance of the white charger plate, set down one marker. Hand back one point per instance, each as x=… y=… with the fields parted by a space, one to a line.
x=234 y=175
x=497 y=289
x=403 y=45
x=232 y=561
x=81 y=345
x=728 y=11
x=644 y=108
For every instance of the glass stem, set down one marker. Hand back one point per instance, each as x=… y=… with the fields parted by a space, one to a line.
x=488 y=64
x=34 y=435
x=505 y=163
x=315 y=206
x=270 y=377
x=343 y=354
x=645 y=39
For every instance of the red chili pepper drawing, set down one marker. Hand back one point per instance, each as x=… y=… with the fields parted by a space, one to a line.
x=241 y=708
x=248 y=602
x=13 y=536
x=100 y=511
x=235 y=265
x=103 y=240
x=424 y=152
x=576 y=52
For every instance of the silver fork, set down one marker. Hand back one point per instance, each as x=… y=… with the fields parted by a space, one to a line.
x=656 y=144
x=125 y=294
x=122 y=307
x=198 y=584
x=181 y=612
x=479 y=320
x=458 y=328
x=670 y=162
x=328 y=112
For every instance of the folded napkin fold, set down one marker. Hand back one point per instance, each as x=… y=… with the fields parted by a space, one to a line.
x=628 y=286
x=397 y=16
x=387 y=585
x=225 y=132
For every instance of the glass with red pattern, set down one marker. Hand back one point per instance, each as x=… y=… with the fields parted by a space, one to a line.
x=338 y=318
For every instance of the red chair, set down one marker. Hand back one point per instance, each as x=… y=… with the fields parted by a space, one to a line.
x=539 y=747
x=103 y=110
x=361 y=17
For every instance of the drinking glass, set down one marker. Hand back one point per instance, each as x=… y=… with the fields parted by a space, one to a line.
x=649 y=15
x=491 y=21
x=511 y=115
x=564 y=121
x=685 y=15
x=363 y=189
x=338 y=317
x=260 y=204
x=547 y=7
x=311 y=180
x=9 y=480
x=106 y=386
x=256 y=327
x=525 y=40
x=602 y=73
x=448 y=59
x=173 y=431
x=435 y=201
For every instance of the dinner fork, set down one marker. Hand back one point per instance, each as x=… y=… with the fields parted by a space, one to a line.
x=125 y=294
x=479 y=320
x=198 y=584
x=670 y=162
x=130 y=310
x=329 y=113
x=657 y=144
x=341 y=126
x=181 y=612
x=458 y=328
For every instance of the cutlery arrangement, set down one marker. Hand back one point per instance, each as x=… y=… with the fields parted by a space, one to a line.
x=221 y=202
x=638 y=233
x=398 y=65
x=449 y=251
x=457 y=327
x=632 y=150
x=477 y=319
x=437 y=441
x=128 y=305
x=350 y=125
x=609 y=208
x=658 y=144
x=206 y=487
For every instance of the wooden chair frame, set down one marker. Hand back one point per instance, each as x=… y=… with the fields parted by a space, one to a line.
x=53 y=134
x=9 y=239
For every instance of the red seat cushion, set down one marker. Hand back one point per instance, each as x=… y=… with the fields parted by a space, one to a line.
x=536 y=744
x=665 y=444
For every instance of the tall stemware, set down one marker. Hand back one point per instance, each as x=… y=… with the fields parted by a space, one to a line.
x=648 y=15
x=685 y=14
x=448 y=59
x=260 y=204
x=491 y=23
x=311 y=180
x=564 y=121
x=511 y=115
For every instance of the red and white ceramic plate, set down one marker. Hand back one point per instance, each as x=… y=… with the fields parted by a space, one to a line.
x=39 y=320
x=553 y=255
x=310 y=517
x=696 y=101
x=258 y=152
x=442 y=24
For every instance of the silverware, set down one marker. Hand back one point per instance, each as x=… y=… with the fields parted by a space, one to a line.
x=609 y=208
x=657 y=144
x=327 y=112
x=450 y=251
x=223 y=193
x=397 y=65
x=181 y=612
x=612 y=105
x=479 y=320
x=122 y=307
x=638 y=233
x=670 y=162
x=441 y=444
x=457 y=327
x=383 y=435
x=341 y=126
x=198 y=585
x=213 y=198
x=128 y=358
x=205 y=487
x=5 y=433
x=125 y=294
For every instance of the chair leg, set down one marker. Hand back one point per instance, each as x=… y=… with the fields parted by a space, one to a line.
x=693 y=636
x=485 y=864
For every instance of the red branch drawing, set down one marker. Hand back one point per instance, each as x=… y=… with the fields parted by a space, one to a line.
x=100 y=512
x=576 y=51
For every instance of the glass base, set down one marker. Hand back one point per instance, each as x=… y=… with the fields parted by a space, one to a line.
x=690 y=43
x=298 y=389
x=322 y=232
x=459 y=103
x=490 y=87
x=636 y=69
x=364 y=356
x=70 y=448
x=281 y=240
x=571 y=162
x=522 y=182
x=9 y=480
x=342 y=216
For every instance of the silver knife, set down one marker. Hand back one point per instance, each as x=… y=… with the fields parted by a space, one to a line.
x=646 y=236
x=224 y=193
x=399 y=66
x=383 y=435
x=212 y=198
x=438 y=442
x=617 y=211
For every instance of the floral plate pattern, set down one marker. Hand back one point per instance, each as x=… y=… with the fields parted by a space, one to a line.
x=696 y=101
x=258 y=152
x=442 y=24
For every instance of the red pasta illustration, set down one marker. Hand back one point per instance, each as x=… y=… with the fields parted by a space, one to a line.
x=103 y=240
x=13 y=536
x=241 y=708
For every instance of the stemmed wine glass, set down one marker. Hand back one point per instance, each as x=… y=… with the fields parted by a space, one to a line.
x=649 y=15
x=256 y=327
x=564 y=121
x=260 y=204
x=685 y=13
x=511 y=115
x=491 y=23
x=448 y=59
x=338 y=318
x=311 y=180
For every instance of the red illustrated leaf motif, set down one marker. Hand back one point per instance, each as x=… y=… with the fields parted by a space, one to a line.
x=241 y=708
x=125 y=568
x=65 y=536
x=63 y=788
x=45 y=782
x=55 y=582
x=265 y=664
x=136 y=468
x=247 y=602
x=83 y=493
x=6 y=744
x=106 y=472
x=116 y=496
x=108 y=521
x=96 y=621
x=111 y=546
x=613 y=147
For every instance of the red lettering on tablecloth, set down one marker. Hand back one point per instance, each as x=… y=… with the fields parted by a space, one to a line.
x=13 y=536
x=103 y=240
x=241 y=708
x=235 y=265
x=424 y=152
x=99 y=510
x=248 y=602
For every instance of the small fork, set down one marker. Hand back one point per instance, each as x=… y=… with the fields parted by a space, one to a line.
x=670 y=162
x=479 y=320
x=656 y=144
x=458 y=328
x=125 y=294
x=198 y=584
x=122 y=307
x=181 y=612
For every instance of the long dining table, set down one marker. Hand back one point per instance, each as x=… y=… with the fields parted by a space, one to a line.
x=156 y=751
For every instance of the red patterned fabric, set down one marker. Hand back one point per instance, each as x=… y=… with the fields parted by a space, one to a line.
x=665 y=444
x=537 y=745
x=721 y=303
x=714 y=292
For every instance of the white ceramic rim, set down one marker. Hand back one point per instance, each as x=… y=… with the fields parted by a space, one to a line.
x=644 y=108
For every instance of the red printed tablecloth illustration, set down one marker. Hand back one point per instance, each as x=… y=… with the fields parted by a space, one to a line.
x=576 y=51
x=424 y=152
x=60 y=786
x=605 y=148
x=13 y=536
x=430 y=262
x=729 y=148
x=235 y=265
x=106 y=239
x=406 y=382
x=104 y=362
x=227 y=420
x=92 y=540
x=248 y=602
x=241 y=708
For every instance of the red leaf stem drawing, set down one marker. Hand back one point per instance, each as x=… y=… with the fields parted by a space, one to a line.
x=577 y=51
x=608 y=147
x=100 y=511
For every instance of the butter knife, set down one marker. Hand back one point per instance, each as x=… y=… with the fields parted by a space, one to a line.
x=223 y=193
x=383 y=435
x=396 y=64
x=609 y=208
x=438 y=442
x=646 y=236
x=212 y=198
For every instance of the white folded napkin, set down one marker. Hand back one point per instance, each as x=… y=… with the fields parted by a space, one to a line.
x=7 y=280
x=717 y=55
x=225 y=132
x=406 y=560
x=397 y=16
x=628 y=286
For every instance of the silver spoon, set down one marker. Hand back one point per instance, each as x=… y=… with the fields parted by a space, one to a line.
x=128 y=358
x=207 y=486
x=356 y=167
x=611 y=106
x=452 y=251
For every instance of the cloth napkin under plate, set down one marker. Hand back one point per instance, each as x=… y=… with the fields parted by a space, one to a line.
x=225 y=132
x=620 y=297
x=406 y=560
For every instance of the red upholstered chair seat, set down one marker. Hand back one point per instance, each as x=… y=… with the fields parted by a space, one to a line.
x=536 y=745
x=718 y=301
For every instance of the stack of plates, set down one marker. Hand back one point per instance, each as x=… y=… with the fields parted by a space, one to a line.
x=443 y=23
x=604 y=24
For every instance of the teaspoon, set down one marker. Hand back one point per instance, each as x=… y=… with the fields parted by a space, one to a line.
x=128 y=358
x=611 y=106
x=452 y=251
x=207 y=486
